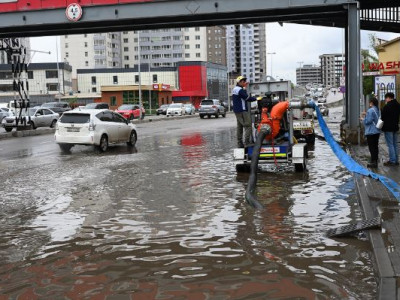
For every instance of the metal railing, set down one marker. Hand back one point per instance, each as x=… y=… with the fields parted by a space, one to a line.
x=386 y=15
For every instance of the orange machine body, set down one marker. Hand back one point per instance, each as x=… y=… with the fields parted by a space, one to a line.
x=274 y=118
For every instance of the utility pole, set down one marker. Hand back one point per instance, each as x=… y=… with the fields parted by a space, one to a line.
x=140 y=77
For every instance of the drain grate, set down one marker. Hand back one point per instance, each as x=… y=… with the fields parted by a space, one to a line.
x=374 y=223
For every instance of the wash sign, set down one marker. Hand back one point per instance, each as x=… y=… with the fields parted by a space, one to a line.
x=385 y=84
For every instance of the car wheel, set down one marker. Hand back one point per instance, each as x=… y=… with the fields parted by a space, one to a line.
x=32 y=125
x=8 y=129
x=66 y=148
x=209 y=116
x=132 y=139
x=201 y=117
x=217 y=115
x=103 y=143
x=53 y=123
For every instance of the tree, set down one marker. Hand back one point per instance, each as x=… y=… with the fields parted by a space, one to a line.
x=367 y=59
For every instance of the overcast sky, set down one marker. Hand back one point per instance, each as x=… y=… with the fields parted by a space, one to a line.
x=292 y=43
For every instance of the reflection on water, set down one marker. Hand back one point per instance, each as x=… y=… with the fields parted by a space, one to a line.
x=170 y=222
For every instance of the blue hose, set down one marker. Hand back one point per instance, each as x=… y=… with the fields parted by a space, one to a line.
x=349 y=162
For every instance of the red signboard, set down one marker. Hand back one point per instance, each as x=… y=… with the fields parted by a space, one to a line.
x=29 y=5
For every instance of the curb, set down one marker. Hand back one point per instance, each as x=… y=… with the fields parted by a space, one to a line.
x=24 y=133
x=149 y=119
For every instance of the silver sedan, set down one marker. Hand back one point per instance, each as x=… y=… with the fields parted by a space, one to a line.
x=35 y=117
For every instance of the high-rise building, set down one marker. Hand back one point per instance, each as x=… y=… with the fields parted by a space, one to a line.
x=246 y=50
x=332 y=68
x=158 y=48
x=308 y=74
x=85 y=51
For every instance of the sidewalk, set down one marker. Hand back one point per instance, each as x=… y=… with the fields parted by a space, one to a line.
x=375 y=201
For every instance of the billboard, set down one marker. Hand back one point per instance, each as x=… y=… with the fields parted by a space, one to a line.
x=383 y=85
x=7 y=6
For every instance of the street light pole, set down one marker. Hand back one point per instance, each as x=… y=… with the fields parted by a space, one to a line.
x=271 y=53
x=140 y=78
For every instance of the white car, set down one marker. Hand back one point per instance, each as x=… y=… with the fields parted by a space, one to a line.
x=5 y=112
x=94 y=127
x=176 y=109
x=34 y=118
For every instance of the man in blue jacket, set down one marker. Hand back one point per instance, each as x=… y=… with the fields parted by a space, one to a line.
x=242 y=111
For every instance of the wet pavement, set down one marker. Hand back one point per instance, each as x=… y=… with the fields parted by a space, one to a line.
x=168 y=220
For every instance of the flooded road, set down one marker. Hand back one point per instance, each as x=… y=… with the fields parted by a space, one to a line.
x=168 y=220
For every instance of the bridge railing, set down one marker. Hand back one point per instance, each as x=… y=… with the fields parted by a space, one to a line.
x=386 y=15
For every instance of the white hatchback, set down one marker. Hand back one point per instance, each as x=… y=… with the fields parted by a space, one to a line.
x=176 y=109
x=93 y=127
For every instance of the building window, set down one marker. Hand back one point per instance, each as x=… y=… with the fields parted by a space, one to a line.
x=187 y=55
x=115 y=79
x=155 y=79
x=66 y=36
x=197 y=55
x=86 y=54
x=130 y=97
x=66 y=54
x=51 y=74
x=86 y=44
x=66 y=45
x=113 y=101
x=94 y=90
x=86 y=63
x=197 y=37
x=126 y=57
x=94 y=80
x=126 y=49
x=30 y=74
x=187 y=37
x=85 y=35
x=187 y=47
x=197 y=29
x=136 y=78
x=125 y=40
x=52 y=87
x=126 y=66
x=197 y=46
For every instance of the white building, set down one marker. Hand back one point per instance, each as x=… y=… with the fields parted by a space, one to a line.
x=308 y=74
x=43 y=82
x=91 y=80
x=246 y=50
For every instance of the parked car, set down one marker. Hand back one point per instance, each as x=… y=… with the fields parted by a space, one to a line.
x=40 y=117
x=211 y=107
x=189 y=109
x=130 y=111
x=58 y=107
x=5 y=112
x=176 y=109
x=162 y=110
x=94 y=127
x=100 y=105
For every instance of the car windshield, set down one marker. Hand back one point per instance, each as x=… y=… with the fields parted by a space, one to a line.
x=125 y=107
x=75 y=118
x=50 y=104
x=91 y=105
x=188 y=105
x=164 y=106
x=207 y=102
x=175 y=105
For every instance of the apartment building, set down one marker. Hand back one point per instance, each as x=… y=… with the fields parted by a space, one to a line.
x=308 y=74
x=332 y=68
x=246 y=50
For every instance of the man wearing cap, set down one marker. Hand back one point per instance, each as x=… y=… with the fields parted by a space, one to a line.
x=240 y=100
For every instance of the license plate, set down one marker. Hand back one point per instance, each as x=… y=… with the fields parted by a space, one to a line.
x=73 y=129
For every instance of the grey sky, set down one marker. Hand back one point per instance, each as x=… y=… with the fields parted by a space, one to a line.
x=292 y=43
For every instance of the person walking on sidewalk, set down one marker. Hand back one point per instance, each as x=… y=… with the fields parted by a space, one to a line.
x=240 y=100
x=390 y=118
x=371 y=132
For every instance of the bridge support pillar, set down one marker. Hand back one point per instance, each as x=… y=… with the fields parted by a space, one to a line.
x=353 y=72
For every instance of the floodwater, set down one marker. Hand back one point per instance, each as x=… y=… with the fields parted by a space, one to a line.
x=168 y=220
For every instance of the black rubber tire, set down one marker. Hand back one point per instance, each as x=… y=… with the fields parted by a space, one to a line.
x=66 y=148
x=201 y=117
x=8 y=129
x=103 y=143
x=132 y=139
x=243 y=168
x=32 y=125
x=53 y=123
x=217 y=115
x=310 y=139
x=209 y=116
